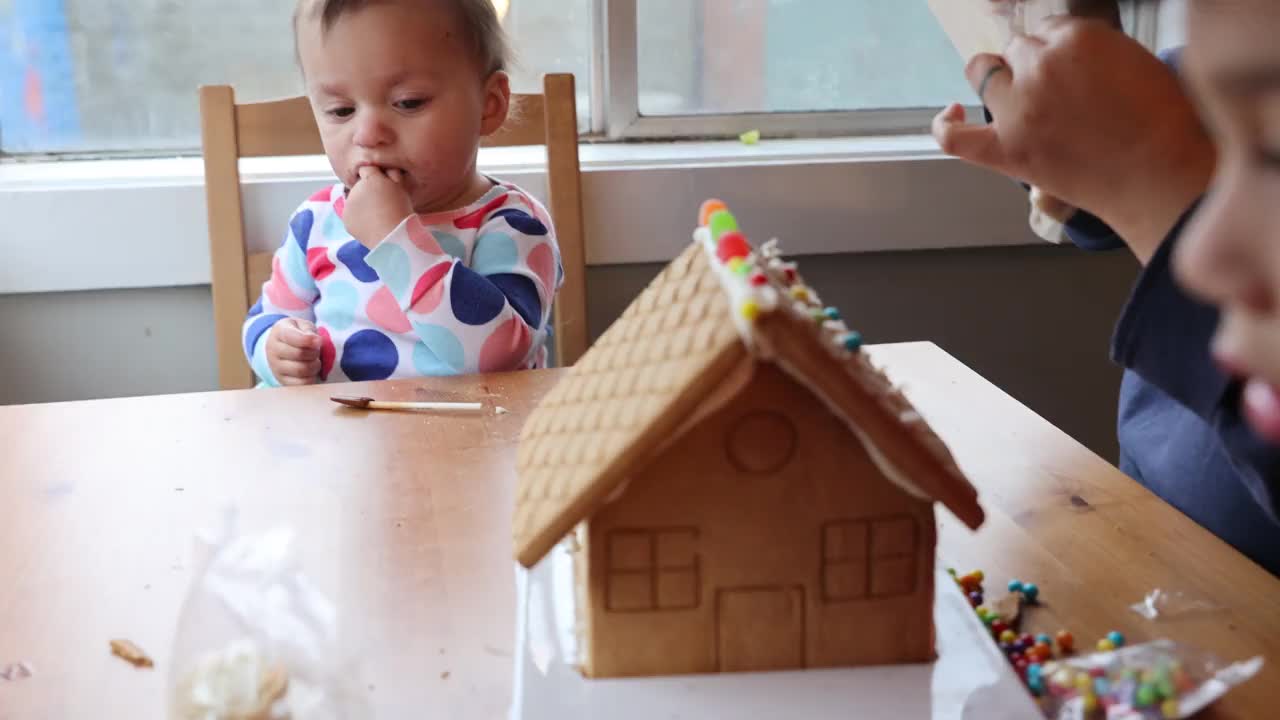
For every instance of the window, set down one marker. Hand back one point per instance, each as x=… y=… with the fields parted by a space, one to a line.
x=120 y=76
x=754 y=56
x=869 y=558
x=652 y=570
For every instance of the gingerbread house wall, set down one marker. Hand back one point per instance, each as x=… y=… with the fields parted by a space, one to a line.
x=765 y=538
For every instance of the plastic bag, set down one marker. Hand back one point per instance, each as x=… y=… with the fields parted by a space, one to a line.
x=1158 y=680
x=257 y=641
x=1165 y=604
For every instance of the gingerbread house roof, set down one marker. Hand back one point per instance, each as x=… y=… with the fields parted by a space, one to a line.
x=720 y=303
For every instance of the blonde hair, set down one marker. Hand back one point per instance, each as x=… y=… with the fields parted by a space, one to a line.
x=477 y=19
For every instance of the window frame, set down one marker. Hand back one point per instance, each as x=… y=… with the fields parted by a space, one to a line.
x=618 y=40
x=651 y=569
x=615 y=84
x=869 y=559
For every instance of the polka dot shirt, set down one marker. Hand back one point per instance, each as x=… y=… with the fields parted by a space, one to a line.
x=460 y=292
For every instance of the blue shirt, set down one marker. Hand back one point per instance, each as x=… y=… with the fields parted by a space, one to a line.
x=1181 y=431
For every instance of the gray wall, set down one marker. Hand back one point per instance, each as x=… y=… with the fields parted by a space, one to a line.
x=1035 y=321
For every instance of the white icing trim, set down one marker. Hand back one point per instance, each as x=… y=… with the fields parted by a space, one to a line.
x=739 y=291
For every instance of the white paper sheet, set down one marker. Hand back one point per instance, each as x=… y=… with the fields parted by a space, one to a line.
x=970 y=679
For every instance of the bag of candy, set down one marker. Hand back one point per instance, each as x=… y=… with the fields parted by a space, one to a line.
x=257 y=641
x=1159 y=680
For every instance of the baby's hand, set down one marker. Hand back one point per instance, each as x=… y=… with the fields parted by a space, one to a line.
x=376 y=205
x=293 y=352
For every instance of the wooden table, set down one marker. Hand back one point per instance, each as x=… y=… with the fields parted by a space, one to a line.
x=403 y=519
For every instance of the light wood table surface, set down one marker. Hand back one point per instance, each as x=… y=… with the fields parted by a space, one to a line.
x=403 y=519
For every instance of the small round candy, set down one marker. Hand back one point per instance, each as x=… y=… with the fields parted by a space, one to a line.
x=1015 y=655
x=1015 y=586
x=1042 y=652
x=1021 y=665
x=1007 y=648
x=979 y=575
x=1169 y=708
x=709 y=207
x=1116 y=638
x=975 y=599
x=852 y=341
x=801 y=293
x=951 y=571
x=1105 y=645
x=1036 y=685
x=982 y=610
x=1182 y=681
x=1007 y=636
x=1146 y=696
x=750 y=310
x=1030 y=592
x=1090 y=703
x=1101 y=685
x=1097 y=672
x=759 y=279
x=1083 y=683
x=999 y=626
x=1028 y=639
x=832 y=313
x=1035 y=669
x=732 y=245
x=1044 y=638
x=1065 y=641
x=989 y=618
x=721 y=222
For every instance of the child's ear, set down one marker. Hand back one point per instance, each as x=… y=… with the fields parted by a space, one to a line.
x=497 y=102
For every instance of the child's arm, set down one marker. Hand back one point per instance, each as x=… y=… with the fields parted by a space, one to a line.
x=1165 y=336
x=486 y=317
x=279 y=334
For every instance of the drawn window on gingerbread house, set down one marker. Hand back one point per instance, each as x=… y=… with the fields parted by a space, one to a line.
x=652 y=570
x=869 y=558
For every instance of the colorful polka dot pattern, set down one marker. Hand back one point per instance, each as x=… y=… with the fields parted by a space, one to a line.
x=468 y=291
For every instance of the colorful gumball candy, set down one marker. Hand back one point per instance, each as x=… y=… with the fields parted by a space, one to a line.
x=1065 y=641
x=732 y=245
x=708 y=208
x=1031 y=592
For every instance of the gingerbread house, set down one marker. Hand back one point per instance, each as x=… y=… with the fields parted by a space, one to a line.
x=739 y=487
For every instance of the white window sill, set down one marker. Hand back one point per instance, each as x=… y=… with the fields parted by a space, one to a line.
x=141 y=223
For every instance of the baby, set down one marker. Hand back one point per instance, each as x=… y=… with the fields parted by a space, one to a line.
x=414 y=263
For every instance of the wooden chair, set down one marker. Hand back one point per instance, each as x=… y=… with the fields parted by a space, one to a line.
x=287 y=127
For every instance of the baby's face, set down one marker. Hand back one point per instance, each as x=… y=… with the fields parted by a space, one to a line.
x=395 y=85
x=1231 y=254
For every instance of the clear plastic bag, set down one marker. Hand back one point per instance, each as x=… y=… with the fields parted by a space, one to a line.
x=257 y=641
x=1162 y=604
x=1159 y=680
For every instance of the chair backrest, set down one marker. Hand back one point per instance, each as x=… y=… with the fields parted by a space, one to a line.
x=287 y=127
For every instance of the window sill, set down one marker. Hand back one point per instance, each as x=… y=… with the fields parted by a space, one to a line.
x=141 y=223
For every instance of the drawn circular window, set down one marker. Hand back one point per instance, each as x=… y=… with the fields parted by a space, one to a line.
x=761 y=442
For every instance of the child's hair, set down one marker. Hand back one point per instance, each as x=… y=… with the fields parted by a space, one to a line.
x=477 y=19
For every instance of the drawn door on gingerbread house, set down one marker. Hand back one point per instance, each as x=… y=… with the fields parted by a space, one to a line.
x=759 y=629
